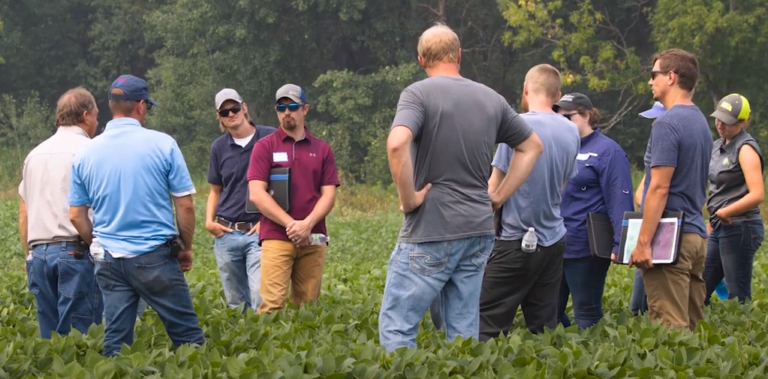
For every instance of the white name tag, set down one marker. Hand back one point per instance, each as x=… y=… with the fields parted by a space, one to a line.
x=582 y=157
x=280 y=157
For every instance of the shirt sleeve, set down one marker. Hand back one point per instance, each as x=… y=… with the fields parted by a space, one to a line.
x=410 y=111
x=330 y=173
x=179 y=180
x=214 y=169
x=617 y=188
x=78 y=194
x=502 y=157
x=260 y=163
x=513 y=130
x=665 y=144
x=574 y=169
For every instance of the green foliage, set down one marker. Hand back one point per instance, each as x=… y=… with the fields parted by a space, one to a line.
x=361 y=113
x=338 y=338
x=23 y=124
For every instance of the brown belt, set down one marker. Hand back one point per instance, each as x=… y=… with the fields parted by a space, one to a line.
x=239 y=226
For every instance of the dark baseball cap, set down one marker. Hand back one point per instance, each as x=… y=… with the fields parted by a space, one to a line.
x=572 y=101
x=129 y=87
x=732 y=109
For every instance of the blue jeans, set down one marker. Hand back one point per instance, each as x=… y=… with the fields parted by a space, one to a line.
x=639 y=302
x=238 y=257
x=418 y=273
x=157 y=278
x=584 y=278
x=730 y=254
x=65 y=289
x=140 y=308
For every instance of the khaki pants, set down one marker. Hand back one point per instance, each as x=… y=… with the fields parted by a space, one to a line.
x=676 y=292
x=282 y=263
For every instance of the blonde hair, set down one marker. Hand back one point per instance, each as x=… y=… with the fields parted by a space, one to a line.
x=439 y=44
x=544 y=79
x=221 y=124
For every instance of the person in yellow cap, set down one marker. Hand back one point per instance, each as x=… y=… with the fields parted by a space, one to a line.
x=735 y=191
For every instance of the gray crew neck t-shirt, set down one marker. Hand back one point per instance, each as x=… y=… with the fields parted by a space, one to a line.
x=456 y=123
x=537 y=202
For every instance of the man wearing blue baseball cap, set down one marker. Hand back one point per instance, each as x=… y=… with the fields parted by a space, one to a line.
x=128 y=176
x=638 y=303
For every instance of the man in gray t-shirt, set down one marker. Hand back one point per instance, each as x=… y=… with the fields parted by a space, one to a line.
x=515 y=277
x=441 y=143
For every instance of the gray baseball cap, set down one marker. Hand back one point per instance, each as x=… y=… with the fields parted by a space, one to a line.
x=292 y=92
x=227 y=94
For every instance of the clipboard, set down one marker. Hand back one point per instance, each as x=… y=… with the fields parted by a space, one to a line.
x=665 y=245
x=600 y=235
x=279 y=188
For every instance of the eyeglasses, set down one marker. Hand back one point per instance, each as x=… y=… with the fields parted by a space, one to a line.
x=149 y=105
x=569 y=115
x=225 y=112
x=655 y=73
x=281 y=108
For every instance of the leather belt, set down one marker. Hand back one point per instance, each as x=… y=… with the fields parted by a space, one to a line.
x=241 y=226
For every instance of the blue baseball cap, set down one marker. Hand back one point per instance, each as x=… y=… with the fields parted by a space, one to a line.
x=292 y=92
x=129 y=87
x=656 y=110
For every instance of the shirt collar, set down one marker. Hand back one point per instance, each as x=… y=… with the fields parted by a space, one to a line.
x=283 y=136
x=250 y=143
x=590 y=137
x=738 y=137
x=122 y=122
x=70 y=129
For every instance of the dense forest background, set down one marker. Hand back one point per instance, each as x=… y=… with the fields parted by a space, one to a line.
x=354 y=57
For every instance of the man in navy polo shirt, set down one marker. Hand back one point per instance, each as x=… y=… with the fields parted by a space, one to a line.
x=128 y=176
x=236 y=247
x=287 y=255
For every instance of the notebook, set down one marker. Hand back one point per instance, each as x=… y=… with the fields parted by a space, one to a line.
x=279 y=188
x=665 y=245
x=600 y=234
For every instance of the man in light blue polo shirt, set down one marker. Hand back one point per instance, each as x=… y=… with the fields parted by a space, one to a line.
x=128 y=175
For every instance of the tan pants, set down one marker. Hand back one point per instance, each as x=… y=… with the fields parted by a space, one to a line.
x=282 y=263
x=676 y=292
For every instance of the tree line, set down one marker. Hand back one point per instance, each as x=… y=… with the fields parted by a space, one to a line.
x=354 y=57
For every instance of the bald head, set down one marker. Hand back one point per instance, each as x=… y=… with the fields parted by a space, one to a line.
x=544 y=80
x=439 y=44
x=72 y=106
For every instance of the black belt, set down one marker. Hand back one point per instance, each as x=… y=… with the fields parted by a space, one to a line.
x=240 y=226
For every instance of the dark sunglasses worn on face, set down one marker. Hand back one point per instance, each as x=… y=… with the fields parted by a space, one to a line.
x=569 y=115
x=149 y=105
x=225 y=112
x=293 y=107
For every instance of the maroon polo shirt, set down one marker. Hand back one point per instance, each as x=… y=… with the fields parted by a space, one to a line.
x=312 y=166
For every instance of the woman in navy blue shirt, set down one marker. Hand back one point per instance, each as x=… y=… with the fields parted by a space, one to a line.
x=603 y=185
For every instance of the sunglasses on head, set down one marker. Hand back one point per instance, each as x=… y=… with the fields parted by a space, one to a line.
x=293 y=107
x=225 y=112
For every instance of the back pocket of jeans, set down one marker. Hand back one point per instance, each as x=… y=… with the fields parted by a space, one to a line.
x=428 y=261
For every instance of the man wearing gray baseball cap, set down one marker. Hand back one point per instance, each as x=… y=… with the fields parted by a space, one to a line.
x=293 y=240
x=227 y=217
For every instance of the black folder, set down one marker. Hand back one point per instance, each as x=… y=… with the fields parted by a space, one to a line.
x=600 y=235
x=279 y=188
x=665 y=245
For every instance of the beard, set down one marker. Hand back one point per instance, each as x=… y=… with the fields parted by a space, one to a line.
x=524 y=104
x=288 y=123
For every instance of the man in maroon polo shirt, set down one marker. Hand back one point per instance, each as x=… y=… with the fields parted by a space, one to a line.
x=287 y=256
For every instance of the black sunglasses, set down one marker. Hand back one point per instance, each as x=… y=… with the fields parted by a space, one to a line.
x=293 y=107
x=225 y=112
x=149 y=105
x=569 y=115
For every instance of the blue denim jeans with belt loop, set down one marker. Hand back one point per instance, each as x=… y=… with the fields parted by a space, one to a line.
x=731 y=253
x=65 y=289
x=238 y=258
x=419 y=273
x=157 y=278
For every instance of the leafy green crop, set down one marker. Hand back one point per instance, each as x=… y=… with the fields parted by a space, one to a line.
x=338 y=338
